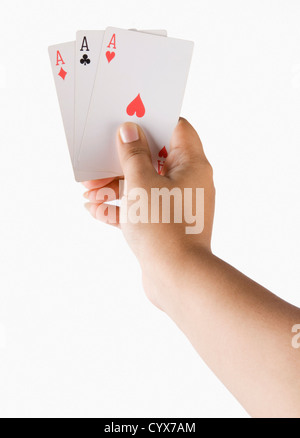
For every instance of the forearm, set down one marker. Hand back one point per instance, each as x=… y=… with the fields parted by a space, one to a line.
x=241 y=330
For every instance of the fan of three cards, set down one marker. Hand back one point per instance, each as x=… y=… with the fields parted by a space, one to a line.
x=109 y=77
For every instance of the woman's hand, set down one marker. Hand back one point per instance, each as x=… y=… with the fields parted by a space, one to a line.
x=159 y=247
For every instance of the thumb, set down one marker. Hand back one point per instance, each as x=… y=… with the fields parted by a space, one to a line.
x=134 y=152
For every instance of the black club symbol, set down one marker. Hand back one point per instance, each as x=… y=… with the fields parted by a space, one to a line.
x=85 y=60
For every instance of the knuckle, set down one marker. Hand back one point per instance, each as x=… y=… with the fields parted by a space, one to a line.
x=139 y=160
x=135 y=151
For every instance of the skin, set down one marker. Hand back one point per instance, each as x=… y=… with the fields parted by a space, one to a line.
x=241 y=330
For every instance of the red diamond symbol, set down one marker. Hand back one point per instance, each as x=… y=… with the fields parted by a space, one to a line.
x=62 y=73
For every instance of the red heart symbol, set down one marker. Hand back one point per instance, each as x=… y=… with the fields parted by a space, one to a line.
x=110 y=56
x=163 y=153
x=136 y=107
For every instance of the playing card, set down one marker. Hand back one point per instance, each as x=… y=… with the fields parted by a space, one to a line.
x=62 y=57
x=88 y=48
x=140 y=78
x=63 y=68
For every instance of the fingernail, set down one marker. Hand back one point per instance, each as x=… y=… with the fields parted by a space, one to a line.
x=86 y=195
x=129 y=133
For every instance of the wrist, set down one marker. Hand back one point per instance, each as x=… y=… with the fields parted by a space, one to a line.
x=167 y=273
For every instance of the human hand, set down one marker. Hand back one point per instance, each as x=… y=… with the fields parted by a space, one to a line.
x=159 y=247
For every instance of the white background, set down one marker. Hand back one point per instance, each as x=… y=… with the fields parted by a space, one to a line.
x=77 y=335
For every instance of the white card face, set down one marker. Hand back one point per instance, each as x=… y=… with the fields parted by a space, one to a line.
x=88 y=49
x=63 y=68
x=140 y=78
x=62 y=58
